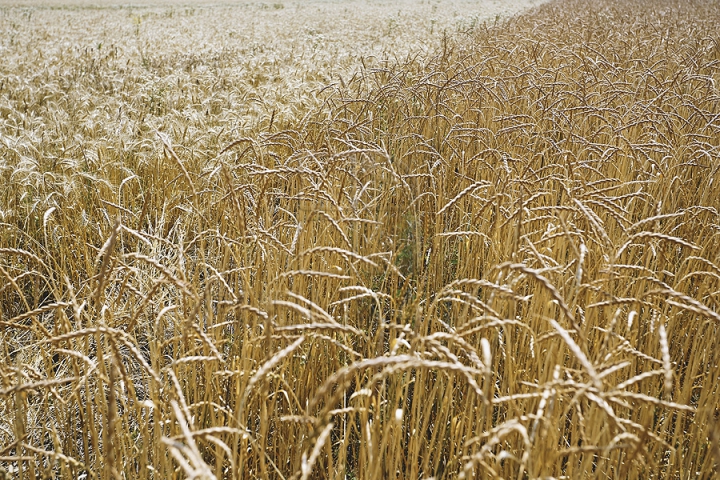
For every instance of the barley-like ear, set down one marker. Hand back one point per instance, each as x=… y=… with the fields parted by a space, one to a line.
x=640 y=235
x=337 y=228
x=34 y=386
x=575 y=349
x=38 y=311
x=492 y=438
x=595 y=222
x=314 y=273
x=105 y=253
x=264 y=370
x=181 y=284
x=320 y=326
x=340 y=251
x=166 y=142
x=654 y=218
x=619 y=395
x=187 y=454
x=464 y=233
x=17 y=288
x=546 y=394
x=25 y=253
x=309 y=463
x=548 y=286
x=689 y=303
x=468 y=190
x=54 y=456
x=639 y=378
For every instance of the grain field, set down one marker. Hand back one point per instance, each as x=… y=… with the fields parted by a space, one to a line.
x=411 y=240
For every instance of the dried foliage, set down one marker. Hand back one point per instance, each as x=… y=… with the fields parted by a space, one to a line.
x=500 y=259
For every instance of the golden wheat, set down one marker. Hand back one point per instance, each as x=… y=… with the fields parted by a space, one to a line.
x=493 y=252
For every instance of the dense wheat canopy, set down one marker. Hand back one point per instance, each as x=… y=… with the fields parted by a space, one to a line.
x=483 y=249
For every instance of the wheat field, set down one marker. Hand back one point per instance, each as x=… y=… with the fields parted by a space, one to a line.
x=480 y=247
